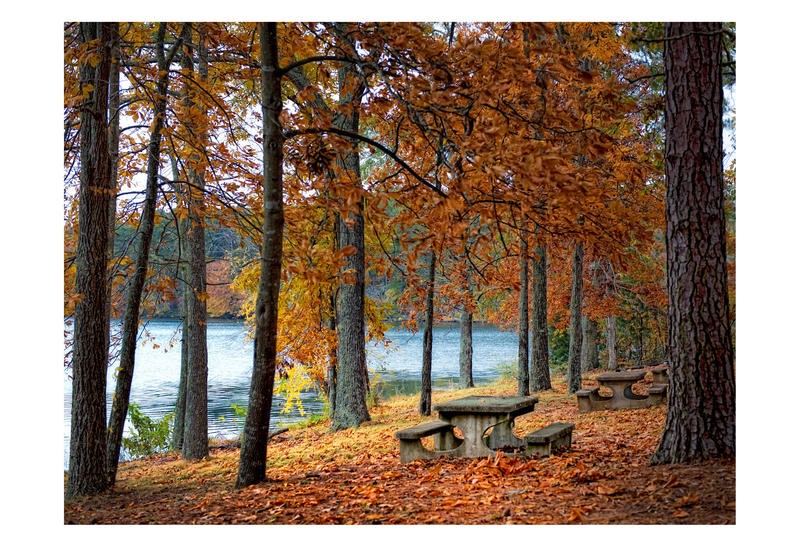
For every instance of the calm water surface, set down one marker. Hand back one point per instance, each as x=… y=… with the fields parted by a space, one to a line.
x=230 y=363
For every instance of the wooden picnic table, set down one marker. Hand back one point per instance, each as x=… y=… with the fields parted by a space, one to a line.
x=476 y=414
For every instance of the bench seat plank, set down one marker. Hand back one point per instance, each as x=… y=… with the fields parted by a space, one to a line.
x=550 y=433
x=423 y=430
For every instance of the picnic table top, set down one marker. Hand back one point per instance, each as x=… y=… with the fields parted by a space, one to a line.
x=487 y=404
x=624 y=375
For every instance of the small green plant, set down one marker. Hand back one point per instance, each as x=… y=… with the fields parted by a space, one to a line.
x=313 y=419
x=149 y=436
x=508 y=370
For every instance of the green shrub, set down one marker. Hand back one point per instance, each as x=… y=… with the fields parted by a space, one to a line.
x=149 y=436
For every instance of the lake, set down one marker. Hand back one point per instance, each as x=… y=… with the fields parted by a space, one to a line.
x=230 y=364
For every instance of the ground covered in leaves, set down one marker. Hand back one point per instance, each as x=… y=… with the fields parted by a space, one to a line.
x=355 y=477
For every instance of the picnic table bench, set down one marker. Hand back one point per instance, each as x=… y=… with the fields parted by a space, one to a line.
x=660 y=374
x=474 y=416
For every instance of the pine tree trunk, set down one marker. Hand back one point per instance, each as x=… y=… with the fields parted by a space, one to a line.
x=130 y=321
x=427 y=341
x=540 y=354
x=253 y=454
x=701 y=413
x=87 y=449
x=575 y=331
x=523 y=381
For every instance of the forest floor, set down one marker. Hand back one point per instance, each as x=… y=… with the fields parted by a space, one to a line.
x=315 y=476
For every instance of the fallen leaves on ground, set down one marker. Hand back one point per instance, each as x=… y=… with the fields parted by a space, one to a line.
x=355 y=477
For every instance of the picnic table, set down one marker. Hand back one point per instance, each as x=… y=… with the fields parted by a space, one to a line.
x=473 y=416
x=622 y=395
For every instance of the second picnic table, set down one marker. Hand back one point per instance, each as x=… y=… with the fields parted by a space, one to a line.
x=622 y=395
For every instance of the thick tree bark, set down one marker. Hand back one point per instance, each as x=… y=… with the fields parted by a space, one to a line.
x=87 y=449
x=195 y=434
x=540 y=354
x=576 y=313
x=130 y=321
x=523 y=381
x=701 y=414
x=427 y=341
x=253 y=455
x=352 y=377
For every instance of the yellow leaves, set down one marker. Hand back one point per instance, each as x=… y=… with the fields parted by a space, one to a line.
x=293 y=382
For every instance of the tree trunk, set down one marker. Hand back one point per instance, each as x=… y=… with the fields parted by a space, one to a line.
x=253 y=454
x=701 y=413
x=113 y=149
x=332 y=362
x=352 y=377
x=130 y=321
x=182 y=275
x=427 y=341
x=523 y=387
x=611 y=341
x=87 y=448
x=195 y=434
x=589 y=356
x=180 y=402
x=575 y=311
x=465 y=354
x=540 y=354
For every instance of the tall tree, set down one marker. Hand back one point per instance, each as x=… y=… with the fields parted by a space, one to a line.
x=253 y=455
x=144 y=235
x=87 y=448
x=465 y=353
x=575 y=314
x=540 y=353
x=701 y=413
x=523 y=382
x=352 y=381
x=427 y=339
x=195 y=434
x=589 y=355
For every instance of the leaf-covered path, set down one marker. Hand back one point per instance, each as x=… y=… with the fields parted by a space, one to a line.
x=355 y=477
